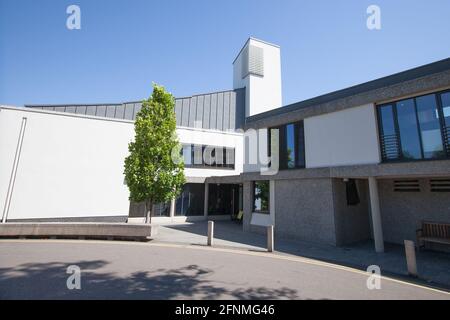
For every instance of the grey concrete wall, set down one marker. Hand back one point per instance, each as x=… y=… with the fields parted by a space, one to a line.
x=304 y=210
x=402 y=212
x=352 y=221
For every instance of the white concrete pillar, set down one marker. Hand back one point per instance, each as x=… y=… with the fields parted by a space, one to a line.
x=172 y=209
x=411 y=262
x=376 y=215
x=205 y=209
x=210 y=232
x=269 y=238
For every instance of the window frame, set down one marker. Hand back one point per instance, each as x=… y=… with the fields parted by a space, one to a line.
x=442 y=127
x=220 y=166
x=299 y=144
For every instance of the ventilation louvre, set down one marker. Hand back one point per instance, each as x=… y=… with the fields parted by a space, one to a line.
x=440 y=185
x=409 y=185
x=252 y=61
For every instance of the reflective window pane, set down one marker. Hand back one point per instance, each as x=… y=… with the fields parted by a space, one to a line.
x=387 y=120
x=161 y=210
x=445 y=98
x=389 y=139
x=409 y=133
x=290 y=146
x=191 y=201
x=428 y=115
x=261 y=196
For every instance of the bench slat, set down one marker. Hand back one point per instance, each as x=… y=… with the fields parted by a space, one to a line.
x=435 y=230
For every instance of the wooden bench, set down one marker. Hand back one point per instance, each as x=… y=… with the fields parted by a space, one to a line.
x=436 y=232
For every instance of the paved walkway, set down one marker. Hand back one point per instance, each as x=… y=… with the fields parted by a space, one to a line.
x=38 y=269
x=433 y=267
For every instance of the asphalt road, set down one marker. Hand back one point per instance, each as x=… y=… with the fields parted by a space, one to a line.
x=37 y=269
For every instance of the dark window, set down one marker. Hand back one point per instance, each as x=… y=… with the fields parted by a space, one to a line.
x=416 y=128
x=291 y=145
x=445 y=103
x=261 y=196
x=199 y=156
x=352 y=192
x=300 y=145
x=191 y=201
x=389 y=143
x=162 y=210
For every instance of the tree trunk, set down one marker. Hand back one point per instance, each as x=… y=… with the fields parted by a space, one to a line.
x=148 y=210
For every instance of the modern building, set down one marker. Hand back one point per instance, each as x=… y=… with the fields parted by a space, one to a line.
x=368 y=162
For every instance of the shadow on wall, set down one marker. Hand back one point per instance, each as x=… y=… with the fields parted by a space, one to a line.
x=48 y=281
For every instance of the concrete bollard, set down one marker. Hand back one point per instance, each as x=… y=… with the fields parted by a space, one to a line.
x=210 y=232
x=410 y=252
x=269 y=238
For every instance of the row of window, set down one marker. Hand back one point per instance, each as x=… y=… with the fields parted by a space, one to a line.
x=291 y=142
x=415 y=128
x=223 y=199
x=411 y=129
x=201 y=156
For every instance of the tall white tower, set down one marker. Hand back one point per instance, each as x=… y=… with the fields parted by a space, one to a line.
x=258 y=68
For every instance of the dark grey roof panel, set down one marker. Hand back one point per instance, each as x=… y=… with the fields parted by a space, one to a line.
x=185 y=112
x=90 y=110
x=129 y=109
x=219 y=110
x=226 y=111
x=137 y=108
x=70 y=109
x=101 y=111
x=240 y=108
x=192 y=112
x=232 y=113
x=213 y=112
x=178 y=106
x=206 y=111
x=110 y=111
x=199 y=115
x=80 y=110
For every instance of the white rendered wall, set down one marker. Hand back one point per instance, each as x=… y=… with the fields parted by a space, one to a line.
x=69 y=166
x=347 y=137
x=72 y=166
x=262 y=93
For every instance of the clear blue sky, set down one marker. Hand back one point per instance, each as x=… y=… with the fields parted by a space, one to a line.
x=189 y=45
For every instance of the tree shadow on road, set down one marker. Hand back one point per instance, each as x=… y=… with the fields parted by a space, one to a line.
x=48 y=281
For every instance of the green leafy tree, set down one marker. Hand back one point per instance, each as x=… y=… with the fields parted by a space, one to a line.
x=154 y=169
